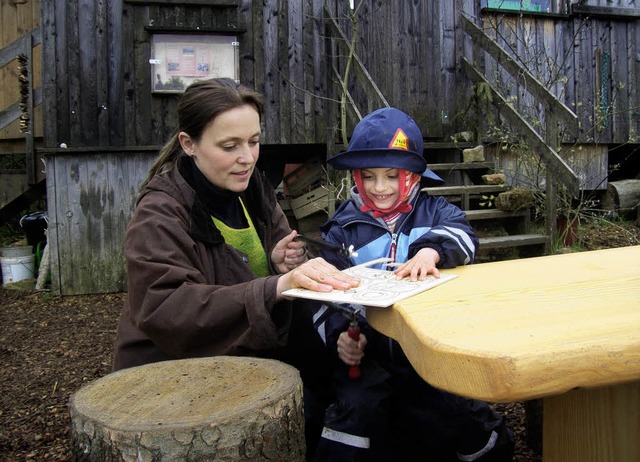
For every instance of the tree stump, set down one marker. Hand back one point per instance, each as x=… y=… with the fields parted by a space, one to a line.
x=221 y=408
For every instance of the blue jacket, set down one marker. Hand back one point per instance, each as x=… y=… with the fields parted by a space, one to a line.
x=432 y=222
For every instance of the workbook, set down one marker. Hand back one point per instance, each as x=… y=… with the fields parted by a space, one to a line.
x=377 y=287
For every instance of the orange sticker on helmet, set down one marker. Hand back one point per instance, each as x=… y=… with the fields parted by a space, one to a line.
x=399 y=141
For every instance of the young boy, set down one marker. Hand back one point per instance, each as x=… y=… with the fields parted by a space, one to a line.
x=391 y=413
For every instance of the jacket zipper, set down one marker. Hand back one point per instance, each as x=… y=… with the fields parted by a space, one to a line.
x=394 y=247
x=392 y=254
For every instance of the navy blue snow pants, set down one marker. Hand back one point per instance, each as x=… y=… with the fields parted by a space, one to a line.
x=391 y=413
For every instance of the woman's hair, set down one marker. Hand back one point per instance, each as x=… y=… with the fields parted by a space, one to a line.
x=198 y=106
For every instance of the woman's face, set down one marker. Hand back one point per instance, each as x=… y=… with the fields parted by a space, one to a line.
x=228 y=149
x=381 y=185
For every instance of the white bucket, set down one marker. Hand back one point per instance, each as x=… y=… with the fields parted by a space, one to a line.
x=16 y=269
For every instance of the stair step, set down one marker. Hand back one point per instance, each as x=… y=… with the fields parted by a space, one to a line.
x=515 y=240
x=471 y=189
x=493 y=214
x=453 y=166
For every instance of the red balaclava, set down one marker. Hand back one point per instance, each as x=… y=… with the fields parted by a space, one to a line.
x=407 y=182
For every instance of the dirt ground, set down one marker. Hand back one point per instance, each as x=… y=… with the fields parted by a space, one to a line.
x=51 y=346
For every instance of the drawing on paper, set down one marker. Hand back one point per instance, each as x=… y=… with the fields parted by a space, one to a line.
x=377 y=288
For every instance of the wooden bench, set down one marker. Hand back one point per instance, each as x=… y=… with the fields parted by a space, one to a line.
x=220 y=408
x=565 y=328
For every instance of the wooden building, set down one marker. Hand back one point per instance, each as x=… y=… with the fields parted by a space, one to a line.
x=565 y=72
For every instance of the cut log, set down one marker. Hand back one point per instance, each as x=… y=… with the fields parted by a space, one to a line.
x=623 y=196
x=216 y=409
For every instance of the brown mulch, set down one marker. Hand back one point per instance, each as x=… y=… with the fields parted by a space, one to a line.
x=50 y=346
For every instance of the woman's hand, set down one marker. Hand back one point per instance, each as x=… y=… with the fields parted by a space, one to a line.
x=288 y=253
x=420 y=266
x=351 y=351
x=318 y=275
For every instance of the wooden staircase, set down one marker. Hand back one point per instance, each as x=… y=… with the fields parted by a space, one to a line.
x=21 y=175
x=503 y=235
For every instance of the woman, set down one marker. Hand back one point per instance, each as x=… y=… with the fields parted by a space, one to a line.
x=208 y=249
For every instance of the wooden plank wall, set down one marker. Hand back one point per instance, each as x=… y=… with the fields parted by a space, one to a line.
x=283 y=56
x=522 y=168
x=92 y=195
x=100 y=104
x=569 y=55
x=16 y=19
x=98 y=52
x=401 y=44
x=82 y=56
x=412 y=50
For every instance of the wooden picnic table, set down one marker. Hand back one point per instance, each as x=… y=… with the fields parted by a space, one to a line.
x=565 y=328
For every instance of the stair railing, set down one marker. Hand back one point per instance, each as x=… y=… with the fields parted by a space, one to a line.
x=22 y=109
x=557 y=170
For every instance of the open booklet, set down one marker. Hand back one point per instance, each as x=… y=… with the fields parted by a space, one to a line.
x=377 y=287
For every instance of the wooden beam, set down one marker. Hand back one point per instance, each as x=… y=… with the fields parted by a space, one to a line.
x=11 y=51
x=212 y=3
x=606 y=11
x=193 y=30
x=532 y=84
x=28 y=127
x=564 y=172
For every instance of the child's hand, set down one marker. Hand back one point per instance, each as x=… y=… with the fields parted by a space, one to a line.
x=288 y=254
x=350 y=351
x=420 y=266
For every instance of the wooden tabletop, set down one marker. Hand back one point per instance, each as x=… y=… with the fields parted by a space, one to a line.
x=528 y=328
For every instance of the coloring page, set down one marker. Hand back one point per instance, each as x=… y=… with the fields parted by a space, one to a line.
x=377 y=287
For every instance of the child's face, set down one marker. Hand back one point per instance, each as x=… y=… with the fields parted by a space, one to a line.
x=381 y=185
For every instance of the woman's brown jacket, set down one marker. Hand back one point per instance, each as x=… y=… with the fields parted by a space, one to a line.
x=189 y=293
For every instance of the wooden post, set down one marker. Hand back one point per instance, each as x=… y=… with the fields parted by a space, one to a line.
x=221 y=408
x=591 y=424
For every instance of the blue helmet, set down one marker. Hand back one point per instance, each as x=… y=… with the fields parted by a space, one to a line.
x=388 y=138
